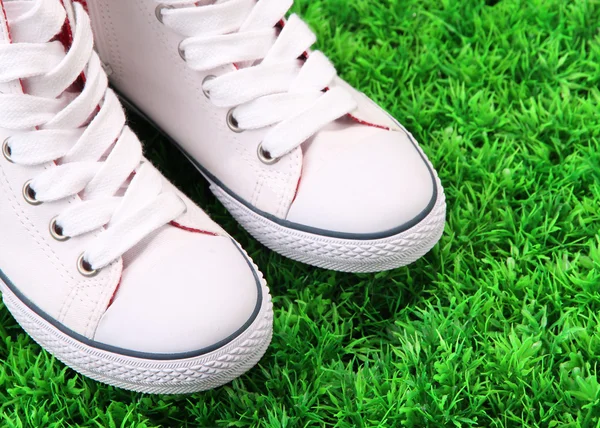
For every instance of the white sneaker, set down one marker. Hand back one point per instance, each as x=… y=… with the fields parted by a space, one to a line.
x=308 y=165
x=102 y=261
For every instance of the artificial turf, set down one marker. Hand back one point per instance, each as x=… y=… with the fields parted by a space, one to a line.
x=497 y=326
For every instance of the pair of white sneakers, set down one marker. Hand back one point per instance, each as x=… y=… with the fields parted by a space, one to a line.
x=116 y=272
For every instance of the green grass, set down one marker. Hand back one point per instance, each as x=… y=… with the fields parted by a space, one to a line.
x=498 y=325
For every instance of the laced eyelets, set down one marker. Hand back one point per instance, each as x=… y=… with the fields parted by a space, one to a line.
x=6 y=151
x=265 y=157
x=29 y=194
x=232 y=122
x=85 y=268
x=207 y=79
x=159 y=9
x=56 y=231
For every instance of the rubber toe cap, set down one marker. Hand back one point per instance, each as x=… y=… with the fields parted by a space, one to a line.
x=363 y=180
x=182 y=292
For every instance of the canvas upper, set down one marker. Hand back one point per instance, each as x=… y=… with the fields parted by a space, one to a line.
x=361 y=174
x=171 y=281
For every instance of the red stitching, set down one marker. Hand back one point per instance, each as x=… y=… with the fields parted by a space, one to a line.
x=297 y=187
x=191 y=229
x=362 y=122
x=6 y=20
x=112 y=299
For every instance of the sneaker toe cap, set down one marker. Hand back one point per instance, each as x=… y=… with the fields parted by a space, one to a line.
x=191 y=295
x=368 y=182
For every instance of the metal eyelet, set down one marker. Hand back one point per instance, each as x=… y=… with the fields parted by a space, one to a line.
x=181 y=52
x=85 y=268
x=29 y=194
x=6 y=150
x=207 y=79
x=159 y=9
x=232 y=122
x=265 y=156
x=56 y=231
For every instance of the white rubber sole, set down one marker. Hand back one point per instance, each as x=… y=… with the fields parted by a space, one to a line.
x=345 y=255
x=151 y=376
x=341 y=254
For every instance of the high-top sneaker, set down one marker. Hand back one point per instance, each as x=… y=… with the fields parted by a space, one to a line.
x=102 y=261
x=311 y=167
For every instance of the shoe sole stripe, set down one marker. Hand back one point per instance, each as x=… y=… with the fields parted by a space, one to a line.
x=179 y=376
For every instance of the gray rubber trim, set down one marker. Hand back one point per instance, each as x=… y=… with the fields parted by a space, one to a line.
x=288 y=224
x=136 y=354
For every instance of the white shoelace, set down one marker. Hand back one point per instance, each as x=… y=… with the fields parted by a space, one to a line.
x=98 y=157
x=274 y=85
